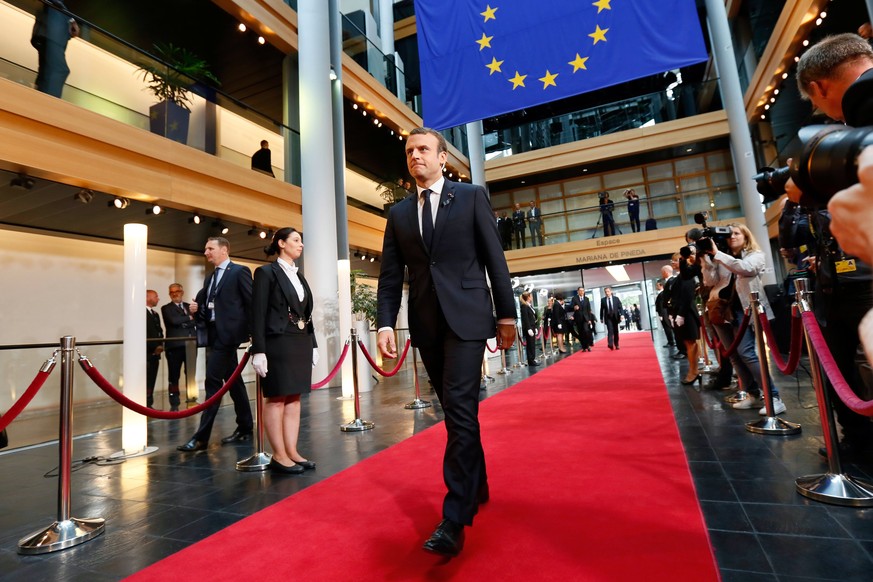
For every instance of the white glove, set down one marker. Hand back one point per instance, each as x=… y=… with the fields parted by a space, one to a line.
x=259 y=363
x=314 y=357
x=680 y=321
x=560 y=326
x=531 y=333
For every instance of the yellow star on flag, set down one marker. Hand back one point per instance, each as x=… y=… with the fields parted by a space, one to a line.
x=494 y=66
x=517 y=81
x=549 y=79
x=489 y=13
x=599 y=34
x=578 y=63
x=602 y=5
x=485 y=41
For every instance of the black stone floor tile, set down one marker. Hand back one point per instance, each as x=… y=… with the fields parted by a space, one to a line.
x=815 y=557
x=739 y=551
x=714 y=489
x=857 y=522
x=725 y=516
x=740 y=576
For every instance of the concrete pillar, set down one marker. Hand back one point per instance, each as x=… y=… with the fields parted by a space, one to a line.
x=476 y=153
x=291 y=116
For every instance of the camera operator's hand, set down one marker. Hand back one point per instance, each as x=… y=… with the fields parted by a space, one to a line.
x=852 y=212
x=705 y=245
x=680 y=321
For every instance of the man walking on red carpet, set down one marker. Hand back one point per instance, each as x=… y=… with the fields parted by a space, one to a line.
x=447 y=238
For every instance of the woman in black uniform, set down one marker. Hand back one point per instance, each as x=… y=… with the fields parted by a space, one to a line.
x=283 y=338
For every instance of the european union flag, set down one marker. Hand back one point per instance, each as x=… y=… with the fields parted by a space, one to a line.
x=482 y=58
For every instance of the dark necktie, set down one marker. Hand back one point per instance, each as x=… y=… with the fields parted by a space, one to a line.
x=182 y=307
x=426 y=220
x=211 y=297
x=609 y=301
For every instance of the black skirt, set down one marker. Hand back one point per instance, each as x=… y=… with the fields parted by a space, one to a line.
x=289 y=365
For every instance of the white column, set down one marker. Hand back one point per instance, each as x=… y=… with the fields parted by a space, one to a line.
x=386 y=27
x=740 y=136
x=344 y=280
x=134 y=427
x=317 y=180
x=477 y=153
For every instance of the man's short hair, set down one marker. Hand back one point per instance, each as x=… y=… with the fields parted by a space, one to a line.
x=827 y=56
x=442 y=146
x=220 y=241
x=264 y=143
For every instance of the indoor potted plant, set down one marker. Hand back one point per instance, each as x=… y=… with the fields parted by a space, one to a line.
x=170 y=77
x=393 y=191
x=363 y=317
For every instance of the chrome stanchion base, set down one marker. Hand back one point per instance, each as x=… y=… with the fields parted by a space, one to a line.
x=61 y=535
x=487 y=378
x=741 y=395
x=836 y=489
x=773 y=425
x=417 y=403
x=257 y=462
x=357 y=425
x=124 y=455
x=345 y=397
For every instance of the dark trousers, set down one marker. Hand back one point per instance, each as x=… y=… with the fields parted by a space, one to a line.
x=152 y=364
x=531 y=349
x=454 y=367
x=583 y=329
x=519 y=237
x=668 y=330
x=175 y=360
x=536 y=236
x=611 y=331
x=53 y=70
x=608 y=224
x=634 y=219
x=220 y=364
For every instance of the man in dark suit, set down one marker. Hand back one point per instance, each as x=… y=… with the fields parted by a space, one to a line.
x=505 y=228
x=534 y=218
x=610 y=315
x=224 y=305
x=583 y=317
x=180 y=323
x=153 y=349
x=529 y=327
x=262 y=160
x=518 y=226
x=52 y=30
x=661 y=306
x=447 y=239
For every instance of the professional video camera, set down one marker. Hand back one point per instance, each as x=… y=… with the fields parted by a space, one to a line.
x=603 y=195
x=827 y=164
x=719 y=235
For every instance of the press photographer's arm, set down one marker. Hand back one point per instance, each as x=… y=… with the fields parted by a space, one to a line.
x=852 y=212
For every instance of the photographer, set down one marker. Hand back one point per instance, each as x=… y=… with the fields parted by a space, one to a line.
x=607 y=207
x=633 y=209
x=686 y=322
x=746 y=261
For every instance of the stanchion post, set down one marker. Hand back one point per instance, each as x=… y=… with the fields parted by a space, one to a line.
x=503 y=369
x=66 y=531
x=833 y=487
x=356 y=425
x=260 y=461
x=518 y=354
x=543 y=343
x=770 y=424
x=417 y=402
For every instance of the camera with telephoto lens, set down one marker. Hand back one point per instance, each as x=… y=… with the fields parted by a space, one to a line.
x=719 y=235
x=827 y=164
x=603 y=195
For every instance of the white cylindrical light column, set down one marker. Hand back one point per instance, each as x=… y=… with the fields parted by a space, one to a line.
x=344 y=280
x=134 y=427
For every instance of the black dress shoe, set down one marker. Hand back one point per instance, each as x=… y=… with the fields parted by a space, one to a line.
x=447 y=539
x=308 y=465
x=533 y=364
x=277 y=467
x=192 y=445
x=237 y=437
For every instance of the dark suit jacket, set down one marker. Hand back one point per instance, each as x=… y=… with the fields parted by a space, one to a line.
x=583 y=314
x=233 y=301
x=178 y=324
x=153 y=330
x=534 y=215
x=616 y=310
x=451 y=274
x=518 y=220
x=528 y=320
x=273 y=299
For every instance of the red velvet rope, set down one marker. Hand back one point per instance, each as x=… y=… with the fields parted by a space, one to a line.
x=333 y=372
x=123 y=400
x=713 y=344
x=520 y=338
x=842 y=388
x=793 y=350
x=744 y=325
x=375 y=366
x=487 y=347
x=25 y=399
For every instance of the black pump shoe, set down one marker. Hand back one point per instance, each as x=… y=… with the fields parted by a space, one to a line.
x=277 y=467
x=308 y=465
x=697 y=378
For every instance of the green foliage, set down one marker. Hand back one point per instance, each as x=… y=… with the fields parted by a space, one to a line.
x=171 y=83
x=363 y=297
x=392 y=190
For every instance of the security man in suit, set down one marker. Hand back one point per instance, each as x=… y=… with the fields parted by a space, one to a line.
x=447 y=239
x=180 y=323
x=610 y=315
x=153 y=348
x=224 y=305
x=582 y=317
x=534 y=219
x=518 y=222
x=52 y=30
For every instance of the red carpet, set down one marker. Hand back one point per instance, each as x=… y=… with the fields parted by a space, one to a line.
x=588 y=482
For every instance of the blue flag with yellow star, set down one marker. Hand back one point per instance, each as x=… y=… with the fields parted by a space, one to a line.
x=483 y=58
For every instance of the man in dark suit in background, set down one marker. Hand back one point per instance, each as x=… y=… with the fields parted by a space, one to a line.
x=529 y=327
x=610 y=315
x=447 y=239
x=534 y=219
x=518 y=226
x=51 y=32
x=180 y=323
x=583 y=317
x=224 y=305
x=505 y=228
x=262 y=160
x=153 y=349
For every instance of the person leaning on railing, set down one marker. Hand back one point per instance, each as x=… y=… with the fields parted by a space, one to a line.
x=746 y=262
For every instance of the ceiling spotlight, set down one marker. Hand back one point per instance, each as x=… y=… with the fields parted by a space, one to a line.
x=84 y=196
x=241 y=27
x=363 y=256
x=372 y=259
x=119 y=202
x=22 y=182
x=354 y=105
x=155 y=210
x=222 y=228
x=332 y=74
x=357 y=254
x=261 y=40
x=258 y=232
x=194 y=219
